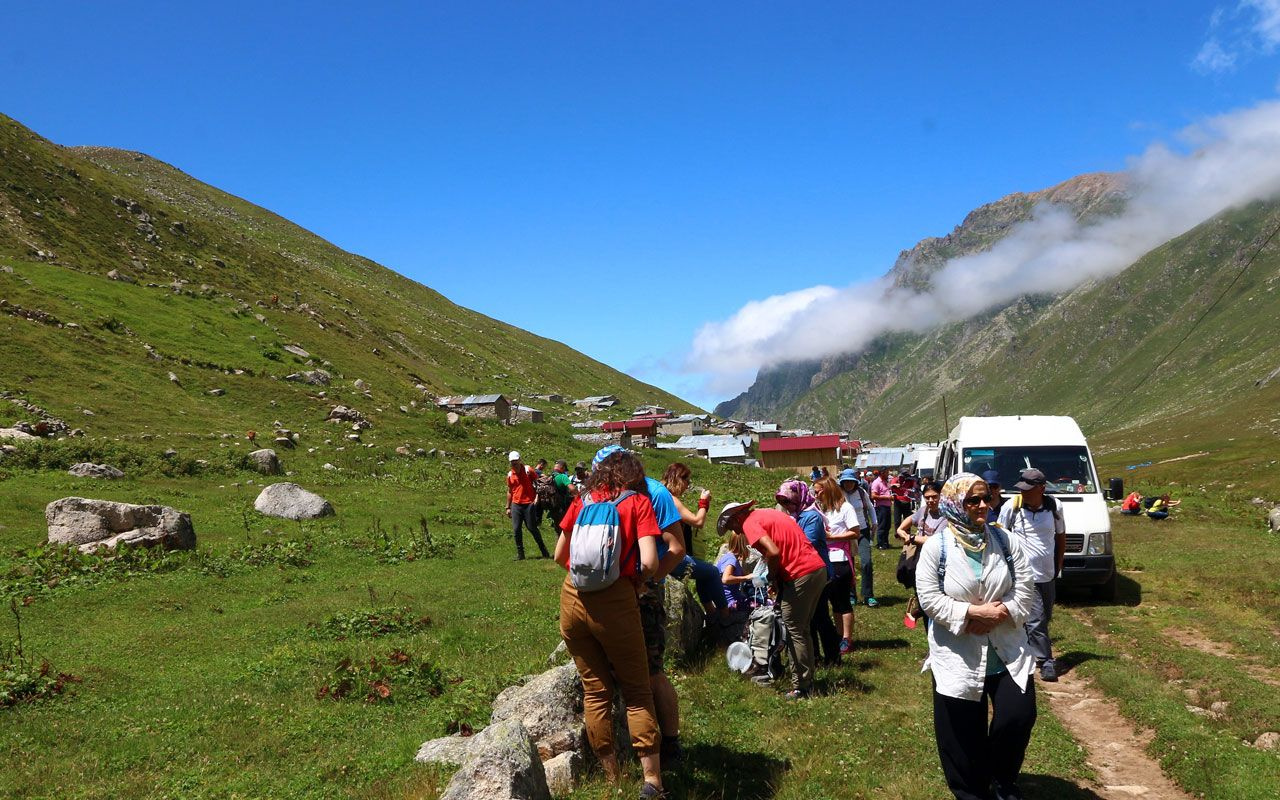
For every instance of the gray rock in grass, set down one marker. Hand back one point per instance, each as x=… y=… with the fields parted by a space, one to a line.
x=502 y=764
x=291 y=501
x=265 y=461
x=93 y=524
x=87 y=470
x=549 y=706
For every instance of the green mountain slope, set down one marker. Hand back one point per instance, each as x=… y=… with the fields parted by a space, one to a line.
x=1089 y=352
x=212 y=289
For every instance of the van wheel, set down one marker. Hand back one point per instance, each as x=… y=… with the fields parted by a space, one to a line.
x=1106 y=592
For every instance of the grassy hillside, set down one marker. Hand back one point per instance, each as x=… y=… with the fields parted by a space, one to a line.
x=212 y=289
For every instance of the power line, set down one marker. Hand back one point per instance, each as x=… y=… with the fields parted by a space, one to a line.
x=1160 y=363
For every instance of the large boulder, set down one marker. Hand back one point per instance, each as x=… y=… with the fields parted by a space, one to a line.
x=685 y=620
x=13 y=434
x=92 y=524
x=1273 y=520
x=445 y=750
x=549 y=706
x=501 y=764
x=87 y=470
x=265 y=461
x=291 y=501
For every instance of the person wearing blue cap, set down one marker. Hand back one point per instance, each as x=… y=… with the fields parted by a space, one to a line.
x=855 y=491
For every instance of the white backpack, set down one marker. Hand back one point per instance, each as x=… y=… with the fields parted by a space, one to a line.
x=594 y=560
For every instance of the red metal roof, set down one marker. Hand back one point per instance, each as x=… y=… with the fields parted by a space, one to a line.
x=631 y=425
x=829 y=442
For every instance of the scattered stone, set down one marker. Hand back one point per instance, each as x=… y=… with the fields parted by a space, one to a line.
x=355 y=437
x=344 y=414
x=1273 y=518
x=559 y=655
x=174 y=379
x=327 y=465
x=296 y=350
x=87 y=470
x=115 y=275
x=1258 y=501
x=285 y=442
x=452 y=417
x=216 y=392
x=13 y=434
x=88 y=413
x=92 y=524
x=563 y=772
x=170 y=453
x=361 y=385
x=1268 y=741
x=265 y=461
x=291 y=501
x=501 y=764
x=404 y=409
x=1219 y=707
x=549 y=707
x=477 y=471
x=420 y=452
x=402 y=451
x=314 y=377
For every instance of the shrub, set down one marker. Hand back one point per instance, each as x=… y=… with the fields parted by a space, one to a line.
x=370 y=622
x=399 y=676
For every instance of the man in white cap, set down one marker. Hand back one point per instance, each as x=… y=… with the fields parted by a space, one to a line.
x=520 y=504
x=1035 y=517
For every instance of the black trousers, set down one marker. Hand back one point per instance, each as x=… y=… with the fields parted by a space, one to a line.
x=973 y=754
x=826 y=639
x=522 y=514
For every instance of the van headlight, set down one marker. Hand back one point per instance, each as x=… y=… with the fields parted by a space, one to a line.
x=1099 y=544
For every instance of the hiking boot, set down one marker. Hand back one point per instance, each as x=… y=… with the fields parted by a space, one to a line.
x=651 y=792
x=1049 y=671
x=846 y=647
x=1007 y=791
x=872 y=602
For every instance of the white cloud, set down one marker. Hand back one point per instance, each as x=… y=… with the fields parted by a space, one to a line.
x=1226 y=161
x=1250 y=28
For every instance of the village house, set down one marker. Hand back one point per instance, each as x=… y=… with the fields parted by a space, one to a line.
x=597 y=402
x=527 y=414
x=651 y=411
x=683 y=425
x=484 y=406
x=549 y=398
x=801 y=453
x=629 y=431
x=715 y=448
x=763 y=430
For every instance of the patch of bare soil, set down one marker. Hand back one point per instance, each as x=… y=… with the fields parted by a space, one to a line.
x=1196 y=641
x=1115 y=747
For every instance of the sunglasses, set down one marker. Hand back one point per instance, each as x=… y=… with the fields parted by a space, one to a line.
x=978 y=498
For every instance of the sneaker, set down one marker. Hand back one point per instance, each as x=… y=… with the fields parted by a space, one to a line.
x=871 y=602
x=797 y=694
x=1049 y=672
x=651 y=792
x=846 y=647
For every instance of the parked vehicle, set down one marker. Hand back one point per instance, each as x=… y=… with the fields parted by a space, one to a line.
x=1056 y=447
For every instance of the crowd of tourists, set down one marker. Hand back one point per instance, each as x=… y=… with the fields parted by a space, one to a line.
x=982 y=565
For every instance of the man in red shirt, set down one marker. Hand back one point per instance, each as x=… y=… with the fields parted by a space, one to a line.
x=795 y=569
x=520 y=504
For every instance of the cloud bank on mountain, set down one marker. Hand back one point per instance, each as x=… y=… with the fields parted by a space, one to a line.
x=1223 y=162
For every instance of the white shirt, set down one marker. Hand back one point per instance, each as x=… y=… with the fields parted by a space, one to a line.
x=862 y=507
x=1037 y=530
x=959 y=659
x=842 y=520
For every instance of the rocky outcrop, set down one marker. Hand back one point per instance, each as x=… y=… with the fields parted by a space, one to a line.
x=265 y=461
x=550 y=708
x=87 y=470
x=314 y=377
x=685 y=620
x=501 y=764
x=93 y=524
x=291 y=501
x=14 y=435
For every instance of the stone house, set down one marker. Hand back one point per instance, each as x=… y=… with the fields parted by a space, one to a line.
x=484 y=406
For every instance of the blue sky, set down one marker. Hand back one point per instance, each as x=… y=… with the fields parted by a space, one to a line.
x=615 y=175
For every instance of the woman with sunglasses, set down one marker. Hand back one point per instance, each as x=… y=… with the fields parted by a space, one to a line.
x=974 y=582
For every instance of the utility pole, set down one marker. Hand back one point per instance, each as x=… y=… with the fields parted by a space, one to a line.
x=946 y=423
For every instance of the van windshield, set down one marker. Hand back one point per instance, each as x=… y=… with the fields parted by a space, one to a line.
x=1067 y=468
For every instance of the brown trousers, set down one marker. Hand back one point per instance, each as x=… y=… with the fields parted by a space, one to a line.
x=800 y=598
x=603 y=634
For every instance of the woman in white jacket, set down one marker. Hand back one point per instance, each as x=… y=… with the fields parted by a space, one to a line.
x=976 y=587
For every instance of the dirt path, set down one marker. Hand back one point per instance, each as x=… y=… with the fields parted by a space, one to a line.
x=1114 y=746
x=1196 y=641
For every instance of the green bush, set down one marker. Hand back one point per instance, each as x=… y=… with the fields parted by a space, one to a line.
x=399 y=676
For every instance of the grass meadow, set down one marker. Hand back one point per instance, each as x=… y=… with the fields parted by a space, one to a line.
x=219 y=673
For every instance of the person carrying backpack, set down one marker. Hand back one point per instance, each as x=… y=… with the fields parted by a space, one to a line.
x=608 y=544
x=522 y=504
x=1036 y=519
